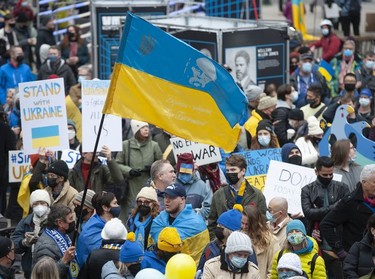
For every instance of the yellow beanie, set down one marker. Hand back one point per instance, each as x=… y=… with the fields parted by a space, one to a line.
x=169 y=240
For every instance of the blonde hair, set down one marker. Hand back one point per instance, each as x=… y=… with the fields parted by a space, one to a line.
x=45 y=269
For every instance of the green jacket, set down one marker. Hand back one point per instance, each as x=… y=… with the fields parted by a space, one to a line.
x=220 y=204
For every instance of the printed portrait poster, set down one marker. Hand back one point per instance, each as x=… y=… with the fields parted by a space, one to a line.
x=43 y=115
x=243 y=61
x=94 y=94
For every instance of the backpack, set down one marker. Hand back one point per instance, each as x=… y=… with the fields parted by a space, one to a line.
x=312 y=266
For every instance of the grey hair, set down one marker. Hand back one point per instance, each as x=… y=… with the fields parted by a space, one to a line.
x=367 y=172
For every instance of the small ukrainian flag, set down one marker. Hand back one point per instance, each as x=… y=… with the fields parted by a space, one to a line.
x=45 y=136
x=326 y=70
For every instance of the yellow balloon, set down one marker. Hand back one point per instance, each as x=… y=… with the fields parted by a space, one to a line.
x=180 y=266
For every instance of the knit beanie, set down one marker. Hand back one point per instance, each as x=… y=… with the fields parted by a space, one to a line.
x=89 y=194
x=131 y=251
x=72 y=123
x=5 y=246
x=266 y=102
x=231 y=219
x=114 y=229
x=253 y=92
x=295 y=225
x=148 y=193
x=60 y=168
x=313 y=126
x=366 y=92
x=137 y=125
x=285 y=150
x=290 y=261
x=238 y=242
x=40 y=195
x=44 y=19
x=169 y=240
x=296 y=114
x=265 y=124
x=185 y=163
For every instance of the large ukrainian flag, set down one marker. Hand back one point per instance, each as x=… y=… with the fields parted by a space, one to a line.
x=164 y=81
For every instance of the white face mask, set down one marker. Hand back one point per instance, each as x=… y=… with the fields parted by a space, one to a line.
x=294 y=96
x=264 y=140
x=40 y=210
x=364 y=102
x=71 y=134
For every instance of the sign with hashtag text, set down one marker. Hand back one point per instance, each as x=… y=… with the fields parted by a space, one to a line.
x=19 y=164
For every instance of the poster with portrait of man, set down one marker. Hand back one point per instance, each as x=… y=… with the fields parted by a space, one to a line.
x=243 y=61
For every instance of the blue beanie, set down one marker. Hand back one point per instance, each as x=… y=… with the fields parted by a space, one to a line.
x=131 y=250
x=285 y=150
x=295 y=225
x=231 y=219
x=366 y=92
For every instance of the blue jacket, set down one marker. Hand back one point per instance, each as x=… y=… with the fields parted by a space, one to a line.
x=90 y=238
x=150 y=260
x=10 y=77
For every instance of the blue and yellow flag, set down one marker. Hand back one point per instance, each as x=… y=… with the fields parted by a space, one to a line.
x=299 y=22
x=164 y=81
x=326 y=70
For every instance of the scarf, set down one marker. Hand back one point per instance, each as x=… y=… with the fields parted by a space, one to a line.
x=212 y=173
x=307 y=249
x=38 y=221
x=63 y=243
x=239 y=195
x=140 y=228
x=346 y=67
x=73 y=49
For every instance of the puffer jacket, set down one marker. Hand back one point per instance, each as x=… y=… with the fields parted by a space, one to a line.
x=109 y=271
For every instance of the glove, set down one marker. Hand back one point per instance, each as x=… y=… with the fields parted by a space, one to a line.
x=342 y=254
x=29 y=239
x=135 y=173
x=147 y=169
x=316 y=235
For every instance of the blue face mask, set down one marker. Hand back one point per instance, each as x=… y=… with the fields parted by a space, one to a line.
x=270 y=217
x=370 y=64
x=264 y=140
x=52 y=58
x=238 y=261
x=184 y=177
x=287 y=274
x=115 y=211
x=348 y=53
x=307 y=67
x=325 y=31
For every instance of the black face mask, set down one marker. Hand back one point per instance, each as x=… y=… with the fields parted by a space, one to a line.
x=71 y=228
x=144 y=210
x=20 y=59
x=232 y=178
x=219 y=233
x=84 y=212
x=311 y=102
x=134 y=269
x=349 y=86
x=325 y=180
x=11 y=261
x=12 y=25
x=115 y=211
x=316 y=140
x=165 y=256
x=51 y=182
x=295 y=160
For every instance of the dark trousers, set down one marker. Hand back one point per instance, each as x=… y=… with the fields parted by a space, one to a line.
x=333 y=266
x=353 y=18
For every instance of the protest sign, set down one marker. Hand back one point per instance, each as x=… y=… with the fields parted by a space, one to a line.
x=19 y=164
x=287 y=180
x=70 y=157
x=203 y=154
x=43 y=115
x=94 y=93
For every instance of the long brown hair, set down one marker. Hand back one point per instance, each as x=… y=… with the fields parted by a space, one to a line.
x=258 y=231
x=65 y=41
x=274 y=143
x=340 y=152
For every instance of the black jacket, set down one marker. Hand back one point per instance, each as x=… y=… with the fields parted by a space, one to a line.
x=44 y=36
x=352 y=213
x=359 y=260
x=280 y=115
x=7 y=272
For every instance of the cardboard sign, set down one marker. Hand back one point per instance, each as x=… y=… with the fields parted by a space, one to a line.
x=70 y=157
x=19 y=164
x=203 y=154
x=286 y=180
x=43 y=115
x=94 y=93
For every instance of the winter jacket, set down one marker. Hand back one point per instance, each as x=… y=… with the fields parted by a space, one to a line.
x=90 y=238
x=312 y=199
x=352 y=213
x=109 y=251
x=7 y=272
x=150 y=260
x=62 y=70
x=366 y=77
x=66 y=196
x=351 y=177
x=38 y=176
x=265 y=257
x=217 y=268
x=252 y=123
x=280 y=115
x=5 y=38
x=223 y=200
x=309 y=111
x=82 y=54
x=306 y=259
x=101 y=176
x=309 y=153
x=359 y=260
x=331 y=45
x=199 y=195
x=23 y=34
x=191 y=228
x=109 y=271
x=44 y=36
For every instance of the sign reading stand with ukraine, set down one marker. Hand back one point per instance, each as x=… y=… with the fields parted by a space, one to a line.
x=164 y=81
x=43 y=115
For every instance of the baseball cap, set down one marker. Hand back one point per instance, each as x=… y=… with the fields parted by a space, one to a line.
x=175 y=190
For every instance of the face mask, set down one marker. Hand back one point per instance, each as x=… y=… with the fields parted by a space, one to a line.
x=12 y=25
x=310 y=101
x=270 y=217
x=184 y=177
x=264 y=140
x=72 y=225
x=292 y=123
x=307 y=67
x=81 y=78
x=51 y=182
x=325 y=31
x=287 y=274
x=144 y=210
x=316 y=140
x=352 y=159
x=219 y=233
x=349 y=86
x=325 y=180
x=363 y=102
x=19 y=59
x=348 y=53
x=52 y=58
x=40 y=210
x=115 y=211
x=295 y=160
x=296 y=238
x=370 y=64
x=238 y=261
x=232 y=178
x=84 y=212
x=165 y=256
x=134 y=269
x=294 y=96
x=11 y=261
x=71 y=134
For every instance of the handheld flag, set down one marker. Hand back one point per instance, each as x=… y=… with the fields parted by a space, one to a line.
x=326 y=70
x=164 y=81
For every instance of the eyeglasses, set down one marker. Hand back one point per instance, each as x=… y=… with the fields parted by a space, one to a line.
x=146 y=203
